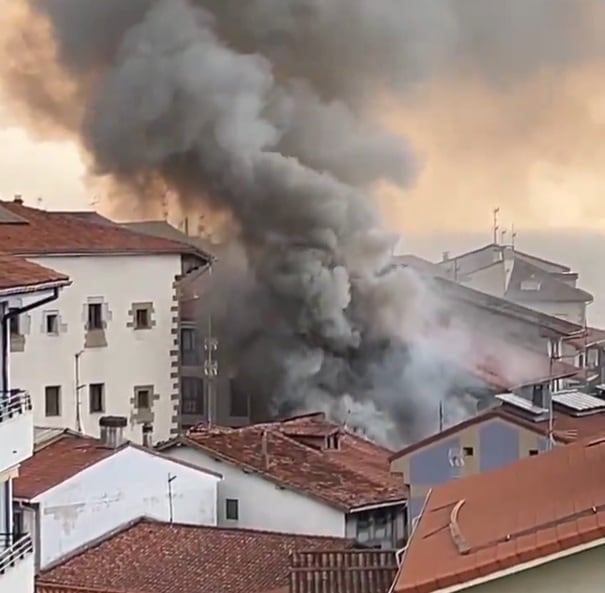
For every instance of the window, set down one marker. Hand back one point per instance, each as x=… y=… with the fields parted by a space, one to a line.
x=468 y=451
x=363 y=527
x=190 y=354
x=18 y=524
x=192 y=395
x=143 y=399
x=533 y=452
x=232 y=509
x=13 y=323
x=52 y=400
x=51 y=324
x=96 y=397
x=332 y=441
x=95 y=316
x=142 y=318
x=238 y=400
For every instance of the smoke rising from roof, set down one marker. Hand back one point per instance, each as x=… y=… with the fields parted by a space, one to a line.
x=267 y=109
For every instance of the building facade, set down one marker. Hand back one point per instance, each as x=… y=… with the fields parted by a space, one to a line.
x=110 y=343
x=313 y=477
x=101 y=485
x=34 y=286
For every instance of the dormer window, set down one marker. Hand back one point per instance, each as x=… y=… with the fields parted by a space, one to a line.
x=531 y=284
x=332 y=441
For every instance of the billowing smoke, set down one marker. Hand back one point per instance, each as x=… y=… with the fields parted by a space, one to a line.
x=267 y=109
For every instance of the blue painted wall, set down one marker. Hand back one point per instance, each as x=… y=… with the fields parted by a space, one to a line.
x=431 y=466
x=498 y=445
x=414 y=507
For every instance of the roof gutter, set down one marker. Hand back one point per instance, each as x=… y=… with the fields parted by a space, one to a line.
x=33 y=288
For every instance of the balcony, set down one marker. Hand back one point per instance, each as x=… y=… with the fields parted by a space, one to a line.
x=16 y=428
x=16 y=563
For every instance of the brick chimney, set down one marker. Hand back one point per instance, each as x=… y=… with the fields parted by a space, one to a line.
x=18 y=199
x=112 y=430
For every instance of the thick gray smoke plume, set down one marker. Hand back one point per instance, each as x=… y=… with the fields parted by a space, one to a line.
x=265 y=107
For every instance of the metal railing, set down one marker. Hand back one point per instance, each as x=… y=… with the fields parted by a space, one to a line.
x=13 y=548
x=13 y=403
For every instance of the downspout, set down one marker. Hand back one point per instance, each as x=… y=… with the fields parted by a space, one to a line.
x=5 y=339
x=6 y=318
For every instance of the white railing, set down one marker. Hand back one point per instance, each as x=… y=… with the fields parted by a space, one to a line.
x=19 y=547
x=13 y=403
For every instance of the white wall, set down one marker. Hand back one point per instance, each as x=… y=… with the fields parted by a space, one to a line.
x=263 y=504
x=16 y=439
x=583 y=572
x=19 y=578
x=127 y=485
x=574 y=312
x=132 y=357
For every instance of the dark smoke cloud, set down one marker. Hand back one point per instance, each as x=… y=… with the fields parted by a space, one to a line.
x=265 y=108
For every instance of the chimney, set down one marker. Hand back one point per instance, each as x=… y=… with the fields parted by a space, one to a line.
x=147 y=430
x=540 y=396
x=18 y=199
x=445 y=256
x=112 y=430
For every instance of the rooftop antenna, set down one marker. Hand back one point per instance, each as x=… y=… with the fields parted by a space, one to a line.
x=502 y=236
x=495 y=226
x=171 y=479
x=39 y=201
x=210 y=366
x=165 y=205
x=513 y=235
x=440 y=415
x=93 y=202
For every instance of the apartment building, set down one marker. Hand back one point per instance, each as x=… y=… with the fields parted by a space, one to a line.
x=109 y=345
x=35 y=287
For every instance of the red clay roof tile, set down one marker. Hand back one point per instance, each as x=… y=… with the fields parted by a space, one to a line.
x=43 y=232
x=546 y=504
x=17 y=272
x=170 y=558
x=354 y=474
x=57 y=461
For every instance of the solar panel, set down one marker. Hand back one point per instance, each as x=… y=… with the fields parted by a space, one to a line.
x=521 y=403
x=578 y=401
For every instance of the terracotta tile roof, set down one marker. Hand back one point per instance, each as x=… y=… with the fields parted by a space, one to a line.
x=566 y=428
x=545 y=504
x=353 y=475
x=16 y=272
x=46 y=587
x=57 y=461
x=44 y=232
x=60 y=457
x=170 y=558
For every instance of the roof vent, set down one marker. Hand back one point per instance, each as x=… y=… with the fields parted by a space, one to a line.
x=112 y=430
x=18 y=199
x=147 y=430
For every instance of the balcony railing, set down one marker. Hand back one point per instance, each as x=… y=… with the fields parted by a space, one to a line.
x=13 y=548
x=13 y=403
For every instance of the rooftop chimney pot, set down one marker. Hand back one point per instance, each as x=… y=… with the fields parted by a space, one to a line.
x=147 y=435
x=112 y=430
x=18 y=199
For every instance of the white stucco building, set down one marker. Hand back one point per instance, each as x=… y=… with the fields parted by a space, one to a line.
x=109 y=343
x=312 y=476
x=76 y=489
x=34 y=286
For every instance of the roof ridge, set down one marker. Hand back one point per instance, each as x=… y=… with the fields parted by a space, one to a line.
x=96 y=542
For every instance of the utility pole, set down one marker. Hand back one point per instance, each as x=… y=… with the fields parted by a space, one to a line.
x=440 y=416
x=78 y=388
x=495 y=224
x=210 y=366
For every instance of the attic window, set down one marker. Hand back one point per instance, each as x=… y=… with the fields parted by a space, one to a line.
x=530 y=284
x=332 y=441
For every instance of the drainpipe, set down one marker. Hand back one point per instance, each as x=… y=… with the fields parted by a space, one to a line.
x=4 y=329
x=6 y=318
